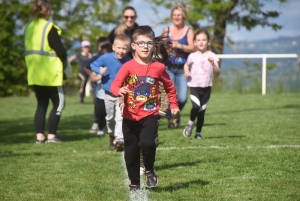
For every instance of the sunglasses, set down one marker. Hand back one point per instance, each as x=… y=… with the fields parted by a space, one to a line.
x=131 y=17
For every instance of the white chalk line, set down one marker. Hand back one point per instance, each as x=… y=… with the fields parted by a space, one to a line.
x=229 y=147
x=141 y=195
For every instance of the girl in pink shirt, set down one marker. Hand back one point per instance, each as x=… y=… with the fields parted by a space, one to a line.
x=200 y=68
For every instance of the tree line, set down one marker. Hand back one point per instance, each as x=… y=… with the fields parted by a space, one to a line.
x=88 y=19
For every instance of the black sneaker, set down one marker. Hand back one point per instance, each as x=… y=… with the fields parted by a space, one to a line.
x=133 y=188
x=171 y=126
x=55 y=139
x=198 y=136
x=187 y=132
x=40 y=141
x=151 y=178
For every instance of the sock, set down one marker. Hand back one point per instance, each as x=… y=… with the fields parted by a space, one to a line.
x=198 y=133
x=190 y=122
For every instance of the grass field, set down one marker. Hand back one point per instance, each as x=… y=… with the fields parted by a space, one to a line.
x=250 y=151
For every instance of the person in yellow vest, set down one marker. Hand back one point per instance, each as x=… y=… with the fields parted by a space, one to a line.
x=46 y=59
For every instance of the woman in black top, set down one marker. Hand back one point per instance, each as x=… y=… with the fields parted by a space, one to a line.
x=82 y=58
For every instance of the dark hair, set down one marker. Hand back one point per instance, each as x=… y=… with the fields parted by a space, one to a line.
x=160 y=52
x=106 y=48
x=128 y=8
x=103 y=40
x=204 y=31
x=40 y=9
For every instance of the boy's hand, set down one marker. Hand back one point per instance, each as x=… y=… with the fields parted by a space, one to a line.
x=122 y=109
x=211 y=60
x=175 y=111
x=124 y=90
x=102 y=70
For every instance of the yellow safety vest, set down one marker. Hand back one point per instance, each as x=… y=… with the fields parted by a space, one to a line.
x=43 y=65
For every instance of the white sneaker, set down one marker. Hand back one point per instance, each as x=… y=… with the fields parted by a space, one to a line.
x=100 y=132
x=94 y=128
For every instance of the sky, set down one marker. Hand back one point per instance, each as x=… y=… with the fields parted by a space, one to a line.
x=289 y=19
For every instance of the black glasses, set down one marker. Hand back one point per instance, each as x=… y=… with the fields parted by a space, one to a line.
x=142 y=43
x=126 y=17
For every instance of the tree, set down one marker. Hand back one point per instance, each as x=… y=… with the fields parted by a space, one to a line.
x=79 y=19
x=220 y=13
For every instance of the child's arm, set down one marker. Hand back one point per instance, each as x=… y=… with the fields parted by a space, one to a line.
x=215 y=65
x=95 y=77
x=95 y=65
x=187 y=70
x=117 y=87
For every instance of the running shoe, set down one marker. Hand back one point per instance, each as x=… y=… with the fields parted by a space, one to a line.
x=55 y=139
x=40 y=141
x=119 y=146
x=100 y=133
x=133 y=188
x=187 y=132
x=94 y=128
x=151 y=178
x=198 y=136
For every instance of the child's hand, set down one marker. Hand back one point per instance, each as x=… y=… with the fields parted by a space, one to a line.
x=175 y=111
x=211 y=60
x=122 y=109
x=102 y=70
x=187 y=74
x=124 y=90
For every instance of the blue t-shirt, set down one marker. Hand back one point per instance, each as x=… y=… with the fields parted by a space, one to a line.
x=113 y=65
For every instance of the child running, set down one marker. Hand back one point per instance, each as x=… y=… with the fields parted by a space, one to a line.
x=138 y=81
x=103 y=46
x=112 y=62
x=204 y=64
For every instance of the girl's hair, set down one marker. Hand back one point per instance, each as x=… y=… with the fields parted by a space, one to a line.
x=202 y=31
x=120 y=29
x=160 y=52
x=40 y=9
x=182 y=7
x=103 y=40
x=129 y=8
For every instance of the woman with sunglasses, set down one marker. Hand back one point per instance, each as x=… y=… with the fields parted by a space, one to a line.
x=181 y=37
x=128 y=16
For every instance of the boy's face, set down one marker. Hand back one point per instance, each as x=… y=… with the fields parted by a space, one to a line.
x=121 y=48
x=143 y=46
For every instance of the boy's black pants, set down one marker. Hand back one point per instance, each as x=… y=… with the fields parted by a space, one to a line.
x=139 y=135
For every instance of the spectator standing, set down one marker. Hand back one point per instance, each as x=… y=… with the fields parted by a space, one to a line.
x=46 y=59
x=82 y=58
x=181 y=37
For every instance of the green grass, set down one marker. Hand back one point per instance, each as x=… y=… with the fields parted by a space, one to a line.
x=233 y=161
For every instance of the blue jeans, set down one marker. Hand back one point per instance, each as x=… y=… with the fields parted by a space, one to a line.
x=180 y=82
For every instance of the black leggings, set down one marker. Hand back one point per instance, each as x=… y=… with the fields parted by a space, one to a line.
x=101 y=113
x=84 y=79
x=199 y=97
x=43 y=95
x=139 y=135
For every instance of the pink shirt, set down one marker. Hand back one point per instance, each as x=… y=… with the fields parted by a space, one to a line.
x=201 y=69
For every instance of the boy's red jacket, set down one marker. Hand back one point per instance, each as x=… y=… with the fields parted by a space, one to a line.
x=142 y=80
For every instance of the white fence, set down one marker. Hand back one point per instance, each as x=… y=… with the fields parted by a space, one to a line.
x=264 y=63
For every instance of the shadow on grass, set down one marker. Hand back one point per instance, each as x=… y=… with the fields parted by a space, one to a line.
x=181 y=164
x=230 y=136
x=8 y=154
x=180 y=186
x=22 y=130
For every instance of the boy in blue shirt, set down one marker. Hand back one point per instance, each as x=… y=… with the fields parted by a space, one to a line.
x=112 y=62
